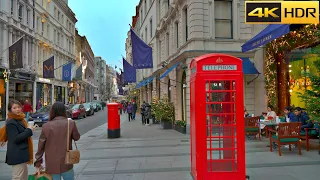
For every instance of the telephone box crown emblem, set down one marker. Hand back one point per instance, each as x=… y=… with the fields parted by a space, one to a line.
x=219 y=60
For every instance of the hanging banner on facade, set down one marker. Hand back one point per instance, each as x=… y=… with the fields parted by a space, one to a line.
x=66 y=72
x=15 y=55
x=141 y=52
x=48 y=68
x=129 y=72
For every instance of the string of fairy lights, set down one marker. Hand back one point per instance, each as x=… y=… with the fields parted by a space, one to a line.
x=302 y=38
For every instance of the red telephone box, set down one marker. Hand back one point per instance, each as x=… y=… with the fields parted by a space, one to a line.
x=216 y=118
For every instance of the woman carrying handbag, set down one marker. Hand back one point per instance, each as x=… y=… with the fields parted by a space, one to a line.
x=56 y=142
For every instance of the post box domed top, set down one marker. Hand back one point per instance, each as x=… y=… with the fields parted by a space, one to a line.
x=216 y=62
x=113 y=104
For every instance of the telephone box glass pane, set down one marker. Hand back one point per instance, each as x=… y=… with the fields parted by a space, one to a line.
x=221 y=125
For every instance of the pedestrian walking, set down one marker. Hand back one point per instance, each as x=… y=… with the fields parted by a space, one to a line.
x=17 y=134
x=130 y=111
x=147 y=114
x=27 y=109
x=134 y=105
x=142 y=111
x=53 y=142
x=124 y=106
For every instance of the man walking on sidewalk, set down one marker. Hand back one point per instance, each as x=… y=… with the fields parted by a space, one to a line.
x=130 y=111
x=134 y=105
x=142 y=111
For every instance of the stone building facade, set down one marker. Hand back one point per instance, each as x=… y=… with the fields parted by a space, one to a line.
x=85 y=57
x=187 y=29
x=100 y=79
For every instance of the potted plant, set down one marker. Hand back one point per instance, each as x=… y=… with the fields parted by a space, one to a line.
x=180 y=126
x=163 y=110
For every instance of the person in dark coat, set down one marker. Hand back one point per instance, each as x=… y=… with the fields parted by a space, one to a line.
x=147 y=114
x=142 y=111
x=130 y=111
x=303 y=118
x=17 y=134
x=134 y=105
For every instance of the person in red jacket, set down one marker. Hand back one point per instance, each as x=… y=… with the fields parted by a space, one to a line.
x=27 y=109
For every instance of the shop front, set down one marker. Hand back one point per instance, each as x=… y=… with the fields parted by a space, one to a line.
x=72 y=92
x=290 y=51
x=21 y=86
x=59 y=94
x=44 y=91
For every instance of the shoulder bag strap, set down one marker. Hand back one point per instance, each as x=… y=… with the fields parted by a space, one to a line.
x=68 y=137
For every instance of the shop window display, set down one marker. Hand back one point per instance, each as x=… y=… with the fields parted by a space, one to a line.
x=300 y=66
x=21 y=91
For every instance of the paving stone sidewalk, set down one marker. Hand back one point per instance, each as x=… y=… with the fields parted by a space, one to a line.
x=150 y=153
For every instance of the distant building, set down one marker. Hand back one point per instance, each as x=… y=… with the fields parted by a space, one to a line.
x=85 y=57
x=100 y=79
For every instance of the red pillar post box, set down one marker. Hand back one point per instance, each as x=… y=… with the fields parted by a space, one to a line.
x=216 y=118
x=113 y=120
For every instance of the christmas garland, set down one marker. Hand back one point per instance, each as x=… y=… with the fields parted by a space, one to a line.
x=303 y=38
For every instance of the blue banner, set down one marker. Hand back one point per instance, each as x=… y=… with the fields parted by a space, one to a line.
x=66 y=72
x=129 y=72
x=141 y=52
x=48 y=68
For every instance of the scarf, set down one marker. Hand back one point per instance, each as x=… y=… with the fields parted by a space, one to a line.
x=4 y=138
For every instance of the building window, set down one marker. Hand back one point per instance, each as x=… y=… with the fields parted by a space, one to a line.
x=48 y=31
x=58 y=41
x=146 y=32
x=42 y=28
x=59 y=16
x=28 y=16
x=20 y=12
x=151 y=28
x=177 y=34
x=62 y=19
x=223 y=19
x=69 y=26
x=12 y=4
x=38 y=24
x=145 y=7
x=54 y=36
x=168 y=4
x=185 y=16
x=168 y=44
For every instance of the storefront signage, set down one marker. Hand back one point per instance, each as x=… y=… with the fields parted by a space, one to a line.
x=219 y=68
x=44 y=80
x=22 y=76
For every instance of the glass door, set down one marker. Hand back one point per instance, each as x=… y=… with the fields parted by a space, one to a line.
x=221 y=125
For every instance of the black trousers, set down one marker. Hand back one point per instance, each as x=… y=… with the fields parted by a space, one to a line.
x=147 y=121
x=143 y=119
x=130 y=116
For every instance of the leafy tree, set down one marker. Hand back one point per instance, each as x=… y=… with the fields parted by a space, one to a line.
x=311 y=96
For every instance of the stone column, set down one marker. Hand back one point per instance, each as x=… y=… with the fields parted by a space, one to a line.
x=36 y=66
x=5 y=47
x=26 y=49
x=52 y=94
x=10 y=37
x=34 y=95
